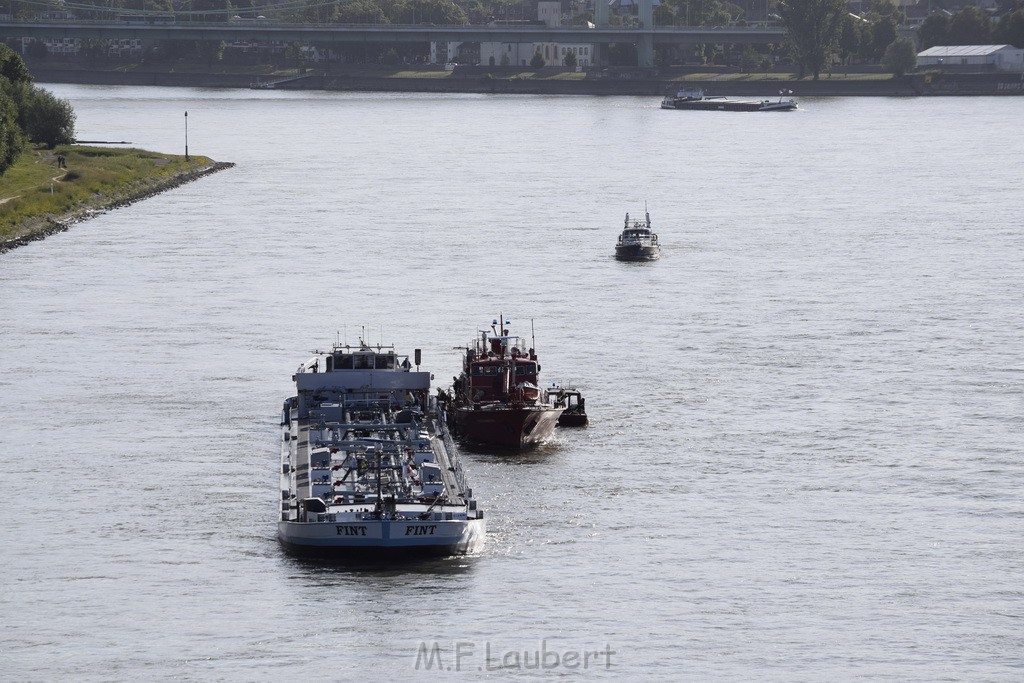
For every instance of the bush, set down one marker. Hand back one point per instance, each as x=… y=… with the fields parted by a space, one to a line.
x=49 y=119
x=12 y=66
x=900 y=56
x=537 y=61
x=11 y=139
x=749 y=59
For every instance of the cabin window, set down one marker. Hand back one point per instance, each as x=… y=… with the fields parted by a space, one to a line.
x=363 y=362
x=343 y=362
x=385 y=362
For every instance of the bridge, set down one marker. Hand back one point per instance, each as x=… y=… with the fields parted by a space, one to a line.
x=327 y=34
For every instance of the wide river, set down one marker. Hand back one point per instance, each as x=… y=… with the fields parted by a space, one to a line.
x=804 y=461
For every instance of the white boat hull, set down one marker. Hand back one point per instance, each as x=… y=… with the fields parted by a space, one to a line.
x=371 y=538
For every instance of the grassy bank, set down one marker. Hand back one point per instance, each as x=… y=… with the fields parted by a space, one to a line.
x=39 y=196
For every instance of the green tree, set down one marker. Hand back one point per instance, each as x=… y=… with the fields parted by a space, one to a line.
x=12 y=141
x=934 y=31
x=749 y=59
x=900 y=56
x=360 y=12
x=208 y=10
x=569 y=60
x=665 y=15
x=883 y=33
x=477 y=12
x=766 y=66
x=12 y=66
x=850 y=38
x=537 y=61
x=512 y=9
x=888 y=9
x=700 y=12
x=441 y=12
x=812 y=27
x=1011 y=29
x=15 y=89
x=51 y=120
x=969 y=26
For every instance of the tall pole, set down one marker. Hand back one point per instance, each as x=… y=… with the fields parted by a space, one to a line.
x=186 y=137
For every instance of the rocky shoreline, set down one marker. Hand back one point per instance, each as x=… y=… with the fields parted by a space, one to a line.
x=40 y=227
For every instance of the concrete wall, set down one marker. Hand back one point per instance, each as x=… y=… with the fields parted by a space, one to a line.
x=480 y=80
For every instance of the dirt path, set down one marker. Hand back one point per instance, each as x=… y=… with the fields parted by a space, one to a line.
x=40 y=156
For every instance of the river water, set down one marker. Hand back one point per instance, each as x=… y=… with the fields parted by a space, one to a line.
x=804 y=461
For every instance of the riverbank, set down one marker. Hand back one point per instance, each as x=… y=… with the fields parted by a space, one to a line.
x=862 y=82
x=48 y=191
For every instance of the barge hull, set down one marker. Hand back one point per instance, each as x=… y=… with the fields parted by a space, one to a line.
x=508 y=427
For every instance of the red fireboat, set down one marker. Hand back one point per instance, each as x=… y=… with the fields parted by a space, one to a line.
x=497 y=398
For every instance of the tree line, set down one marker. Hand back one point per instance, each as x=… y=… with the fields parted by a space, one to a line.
x=971 y=26
x=820 y=30
x=28 y=114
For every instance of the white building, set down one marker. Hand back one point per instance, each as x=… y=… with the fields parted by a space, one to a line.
x=62 y=47
x=978 y=57
x=520 y=54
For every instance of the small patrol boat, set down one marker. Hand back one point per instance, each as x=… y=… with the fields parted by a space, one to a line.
x=575 y=411
x=368 y=468
x=637 y=242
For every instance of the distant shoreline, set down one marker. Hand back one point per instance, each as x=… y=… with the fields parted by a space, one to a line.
x=550 y=81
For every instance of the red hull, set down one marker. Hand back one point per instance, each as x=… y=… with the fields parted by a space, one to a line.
x=502 y=425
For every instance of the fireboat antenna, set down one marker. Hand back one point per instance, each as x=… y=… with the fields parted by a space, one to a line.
x=533 y=337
